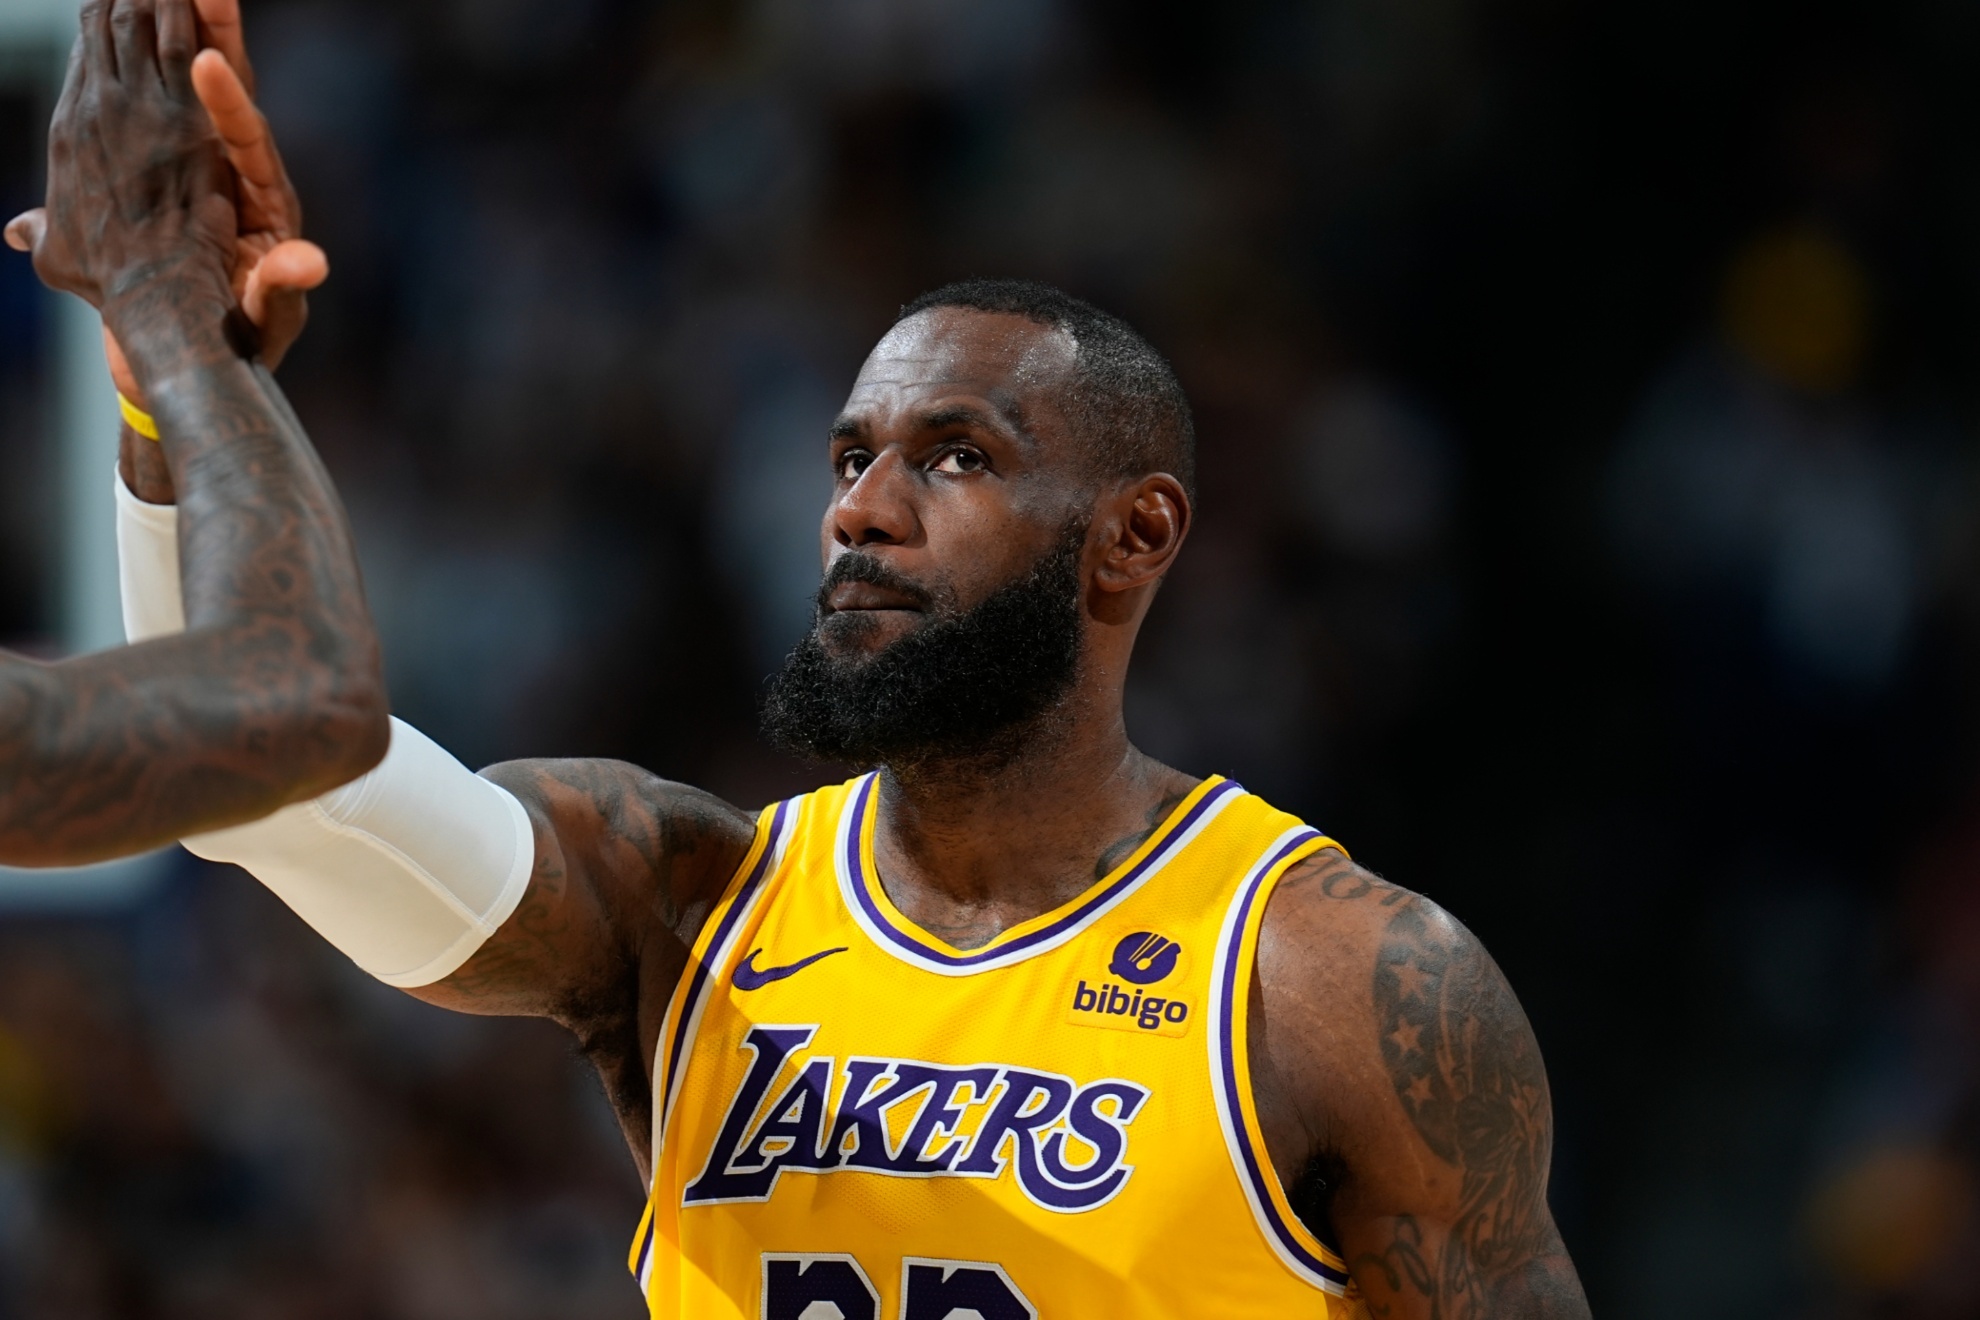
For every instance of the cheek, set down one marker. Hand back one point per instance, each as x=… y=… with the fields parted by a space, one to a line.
x=974 y=549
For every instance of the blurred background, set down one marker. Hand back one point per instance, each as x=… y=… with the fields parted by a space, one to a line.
x=1589 y=538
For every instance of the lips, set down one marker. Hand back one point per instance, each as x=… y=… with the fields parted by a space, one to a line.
x=850 y=596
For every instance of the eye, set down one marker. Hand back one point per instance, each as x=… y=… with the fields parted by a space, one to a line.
x=959 y=462
x=852 y=463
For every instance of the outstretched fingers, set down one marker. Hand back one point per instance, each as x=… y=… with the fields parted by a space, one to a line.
x=295 y=263
x=154 y=39
x=268 y=202
x=278 y=281
x=239 y=122
x=99 y=51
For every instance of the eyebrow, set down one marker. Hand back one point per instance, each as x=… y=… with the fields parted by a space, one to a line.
x=963 y=414
x=850 y=427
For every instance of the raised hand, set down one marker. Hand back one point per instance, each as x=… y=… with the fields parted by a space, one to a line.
x=273 y=691
x=275 y=267
x=272 y=268
x=138 y=195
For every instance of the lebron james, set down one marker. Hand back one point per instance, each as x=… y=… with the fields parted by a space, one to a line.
x=1020 y=1022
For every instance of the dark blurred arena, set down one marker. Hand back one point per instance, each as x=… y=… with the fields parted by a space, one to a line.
x=1589 y=540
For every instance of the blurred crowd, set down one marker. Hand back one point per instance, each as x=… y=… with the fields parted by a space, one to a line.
x=206 y=1112
x=1589 y=537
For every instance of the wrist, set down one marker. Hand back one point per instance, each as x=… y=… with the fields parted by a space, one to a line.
x=142 y=465
x=170 y=321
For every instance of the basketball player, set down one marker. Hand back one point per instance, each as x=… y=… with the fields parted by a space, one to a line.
x=1020 y=1022
x=272 y=692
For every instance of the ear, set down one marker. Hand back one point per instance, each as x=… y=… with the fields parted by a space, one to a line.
x=1145 y=521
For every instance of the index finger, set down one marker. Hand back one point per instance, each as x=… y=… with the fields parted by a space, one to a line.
x=220 y=28
x=240 y=125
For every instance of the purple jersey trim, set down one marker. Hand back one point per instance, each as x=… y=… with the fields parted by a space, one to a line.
x=646 y=1250
x=1227 y=1078
x=862 y=885
x=698 y=981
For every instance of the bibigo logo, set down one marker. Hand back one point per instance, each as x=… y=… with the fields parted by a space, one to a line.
x=1141 y=961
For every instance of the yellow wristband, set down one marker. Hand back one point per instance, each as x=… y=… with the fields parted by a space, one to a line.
x=137 y=418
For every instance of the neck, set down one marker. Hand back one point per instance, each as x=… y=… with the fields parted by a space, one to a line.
x=967 y=849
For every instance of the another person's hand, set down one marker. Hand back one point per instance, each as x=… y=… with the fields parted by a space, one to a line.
x=139 y=217
x=273 y=268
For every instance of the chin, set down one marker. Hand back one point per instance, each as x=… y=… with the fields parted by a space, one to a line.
x=864 y=633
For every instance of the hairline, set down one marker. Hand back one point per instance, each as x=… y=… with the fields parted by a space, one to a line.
x=1077 y=378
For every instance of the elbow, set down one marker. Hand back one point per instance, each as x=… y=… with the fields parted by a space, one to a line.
x=360 y=721
x=361 y=728
x=345 y=720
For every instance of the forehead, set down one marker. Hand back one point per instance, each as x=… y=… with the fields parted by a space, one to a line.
x=953 y=353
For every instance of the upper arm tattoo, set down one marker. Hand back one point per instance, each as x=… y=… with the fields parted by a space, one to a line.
x=627 y=866
x=1451 y=1077
x=624 y=858
x=1465 y=1068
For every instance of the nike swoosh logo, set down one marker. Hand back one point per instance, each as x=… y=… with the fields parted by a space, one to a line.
x=748 y=976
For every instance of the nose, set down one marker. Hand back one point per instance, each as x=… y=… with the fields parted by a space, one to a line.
x=878 y=508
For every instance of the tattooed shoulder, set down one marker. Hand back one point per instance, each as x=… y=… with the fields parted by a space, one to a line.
x=1458 y=1050
x=1452 y=1068
x=1332 y=875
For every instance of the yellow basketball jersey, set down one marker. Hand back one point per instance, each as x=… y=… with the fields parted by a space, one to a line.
x=854 y=1118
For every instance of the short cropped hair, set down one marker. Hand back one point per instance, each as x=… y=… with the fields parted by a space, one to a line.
x=1125 y=404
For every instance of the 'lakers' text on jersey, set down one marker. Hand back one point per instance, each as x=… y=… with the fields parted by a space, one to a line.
x=851 y=1114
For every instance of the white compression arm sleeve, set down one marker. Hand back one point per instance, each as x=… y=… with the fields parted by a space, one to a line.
x=408 y=869
x=148 y=567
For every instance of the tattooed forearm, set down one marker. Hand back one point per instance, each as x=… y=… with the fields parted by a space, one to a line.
x=274 y=692
x=1463 y=1064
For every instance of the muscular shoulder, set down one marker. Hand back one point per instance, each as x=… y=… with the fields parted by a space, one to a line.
x=629 y=828
x=1416 y=1084
x=1326 y=927
x=1380 y=1001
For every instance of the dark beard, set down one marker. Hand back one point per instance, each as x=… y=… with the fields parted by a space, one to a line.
x=967 y=686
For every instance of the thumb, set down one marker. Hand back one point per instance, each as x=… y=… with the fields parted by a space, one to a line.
x=276 y=298
x=285 y=271
x=294 y=263
x=24 y=230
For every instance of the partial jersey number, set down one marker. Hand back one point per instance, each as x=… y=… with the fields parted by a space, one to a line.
x=829 y=1286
